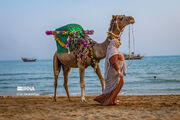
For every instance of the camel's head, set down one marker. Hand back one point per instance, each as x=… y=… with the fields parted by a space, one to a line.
x=118 y=22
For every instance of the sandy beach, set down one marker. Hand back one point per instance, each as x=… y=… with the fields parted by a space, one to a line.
x=131 y=107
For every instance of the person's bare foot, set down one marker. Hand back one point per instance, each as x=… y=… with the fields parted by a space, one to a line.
x=117 y=102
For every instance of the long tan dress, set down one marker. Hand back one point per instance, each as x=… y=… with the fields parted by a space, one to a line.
x=113 y=82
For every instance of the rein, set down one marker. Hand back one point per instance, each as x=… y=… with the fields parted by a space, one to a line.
x=129 y=43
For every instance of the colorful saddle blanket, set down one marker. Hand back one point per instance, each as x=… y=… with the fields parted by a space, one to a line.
x=64 y=32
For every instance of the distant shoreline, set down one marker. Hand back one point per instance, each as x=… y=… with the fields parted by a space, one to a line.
x=52 y=57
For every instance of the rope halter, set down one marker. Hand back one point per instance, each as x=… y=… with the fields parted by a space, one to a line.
x=113 y=35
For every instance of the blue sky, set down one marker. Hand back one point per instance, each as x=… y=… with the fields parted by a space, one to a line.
x=24 y=22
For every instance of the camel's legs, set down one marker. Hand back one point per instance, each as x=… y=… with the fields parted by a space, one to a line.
x=99 y=74
x=66 y=71
x=81 y=72
x=56 y=69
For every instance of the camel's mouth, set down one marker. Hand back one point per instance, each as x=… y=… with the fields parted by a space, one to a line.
x=129 y=19
x=132 y=21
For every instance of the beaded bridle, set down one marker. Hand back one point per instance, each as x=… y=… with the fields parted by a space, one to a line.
x=114 y=23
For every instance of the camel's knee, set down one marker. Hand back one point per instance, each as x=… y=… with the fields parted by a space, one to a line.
x=56 y=76
x=82 y=84
x=55 y=80
x=55 y=84
x=65 y=85
x=56 y=73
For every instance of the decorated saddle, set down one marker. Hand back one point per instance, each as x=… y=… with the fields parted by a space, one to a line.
x=73 y=37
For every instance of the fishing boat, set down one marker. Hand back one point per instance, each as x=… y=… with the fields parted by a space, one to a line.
x=132 y=56
x=28 y=59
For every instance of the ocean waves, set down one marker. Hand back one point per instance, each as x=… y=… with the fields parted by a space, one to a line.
x=139 y=80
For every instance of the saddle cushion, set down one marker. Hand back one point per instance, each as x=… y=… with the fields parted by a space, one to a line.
x=63 y=37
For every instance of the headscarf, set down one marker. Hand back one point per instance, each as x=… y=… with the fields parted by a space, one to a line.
x=112 y=49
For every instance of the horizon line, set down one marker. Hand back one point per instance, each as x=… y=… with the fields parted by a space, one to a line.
x=52 y=57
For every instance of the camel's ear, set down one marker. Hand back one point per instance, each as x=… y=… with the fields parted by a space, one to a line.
x=120 y=16
x=113 y=16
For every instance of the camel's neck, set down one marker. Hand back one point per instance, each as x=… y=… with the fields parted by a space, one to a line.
x=101 y=48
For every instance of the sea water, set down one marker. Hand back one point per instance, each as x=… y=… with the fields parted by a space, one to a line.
x=37 y=78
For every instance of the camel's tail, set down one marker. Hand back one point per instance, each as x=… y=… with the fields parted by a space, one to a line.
x=56 y=65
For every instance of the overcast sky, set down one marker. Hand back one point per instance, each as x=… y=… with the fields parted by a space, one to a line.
x=23 y=24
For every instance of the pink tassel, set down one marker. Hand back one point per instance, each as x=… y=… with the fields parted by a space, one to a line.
x=49 y=32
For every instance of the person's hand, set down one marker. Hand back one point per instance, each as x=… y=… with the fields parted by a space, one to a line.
x=120 y=74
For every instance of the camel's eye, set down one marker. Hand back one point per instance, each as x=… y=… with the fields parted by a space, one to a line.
x=121 y=18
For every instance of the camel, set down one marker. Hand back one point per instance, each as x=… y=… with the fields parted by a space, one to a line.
x=68 y=61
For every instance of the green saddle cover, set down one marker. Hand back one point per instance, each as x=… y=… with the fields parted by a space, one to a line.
x=63 y=38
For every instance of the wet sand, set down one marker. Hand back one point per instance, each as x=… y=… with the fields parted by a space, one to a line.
x=131 y=107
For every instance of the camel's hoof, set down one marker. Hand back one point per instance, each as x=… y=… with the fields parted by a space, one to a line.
x=54 y=100
x=83 y=100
